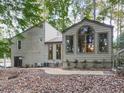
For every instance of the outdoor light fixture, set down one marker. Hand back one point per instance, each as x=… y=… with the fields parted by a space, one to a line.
x=20 y=58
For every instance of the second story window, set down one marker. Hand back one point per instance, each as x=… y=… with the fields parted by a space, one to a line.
x=19 y=44
x=69 y=44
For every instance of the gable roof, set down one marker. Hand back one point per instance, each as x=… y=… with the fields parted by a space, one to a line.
x=55 y=38
x=36 y=25
x=88 y=20
x=28 y=29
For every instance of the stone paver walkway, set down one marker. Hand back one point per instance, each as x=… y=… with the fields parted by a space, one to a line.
x=59 y=71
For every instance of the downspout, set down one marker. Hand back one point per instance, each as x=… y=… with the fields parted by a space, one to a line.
x=4 y=60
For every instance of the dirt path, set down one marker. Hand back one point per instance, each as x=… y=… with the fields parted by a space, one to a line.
x=59 y=71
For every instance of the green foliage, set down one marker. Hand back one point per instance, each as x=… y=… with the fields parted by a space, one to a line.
x=114 y=45
x=58 y=13
x=114 y=2
x=20 y=14
x=121 y=41
x=5 y=48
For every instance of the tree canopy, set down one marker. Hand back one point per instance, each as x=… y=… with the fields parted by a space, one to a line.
x=21 y=14
x=4 y=48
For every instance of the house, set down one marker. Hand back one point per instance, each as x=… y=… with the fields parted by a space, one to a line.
x=86 y=43
x=41 y=46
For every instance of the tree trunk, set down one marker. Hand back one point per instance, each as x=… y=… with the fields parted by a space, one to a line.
x=94 y=9
x=4 y=60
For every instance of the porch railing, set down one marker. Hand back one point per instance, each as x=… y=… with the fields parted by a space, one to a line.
x=118 y=61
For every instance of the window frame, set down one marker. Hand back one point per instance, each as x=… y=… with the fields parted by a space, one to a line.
x=49 y=52
x=72 y=45
x=98 y=42
x=59 y=58
x=19 y=44
x=85 y=41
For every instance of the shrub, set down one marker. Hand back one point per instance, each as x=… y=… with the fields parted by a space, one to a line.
x=84 y=64
x=120 y=71
x=35 y=64
x=104 y=63
x=27 y=65
x=95 y=63
x=32 y=65
x=68 y=63
x=76 y=63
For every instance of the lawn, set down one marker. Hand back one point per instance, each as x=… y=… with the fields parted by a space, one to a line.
x=24 y=80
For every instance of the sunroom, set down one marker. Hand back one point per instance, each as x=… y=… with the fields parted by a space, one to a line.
x=87 y=44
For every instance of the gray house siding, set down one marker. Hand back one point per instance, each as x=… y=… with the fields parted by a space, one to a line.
x=37 y=39
x=33 y=48
x=90 y=57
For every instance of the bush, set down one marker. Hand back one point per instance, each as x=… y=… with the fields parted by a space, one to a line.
x=95 y=63
x=104 y=63
x=68 y=63
x=32 y=65
x=27 y=65
x=84 y=64
x=35 y=64
x=120 y=71
x=76 y=63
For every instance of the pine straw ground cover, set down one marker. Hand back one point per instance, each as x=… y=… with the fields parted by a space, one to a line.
x=24 y=80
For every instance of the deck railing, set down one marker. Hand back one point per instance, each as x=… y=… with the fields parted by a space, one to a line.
x=118 y=61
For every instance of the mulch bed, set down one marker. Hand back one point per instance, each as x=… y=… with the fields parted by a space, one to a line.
x=37 y=81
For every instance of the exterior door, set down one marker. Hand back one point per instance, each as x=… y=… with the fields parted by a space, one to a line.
x=17 y=61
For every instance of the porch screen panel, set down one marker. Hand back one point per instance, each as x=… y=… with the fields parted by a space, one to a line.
x=103 y=42
x=86 y=39
x=69 y=44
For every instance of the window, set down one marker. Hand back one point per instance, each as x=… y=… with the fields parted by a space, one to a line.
x=69 y=44
x=86 y=39
x=103 y=42
x=50 y=51
x=58 y=51
x=19 y=44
